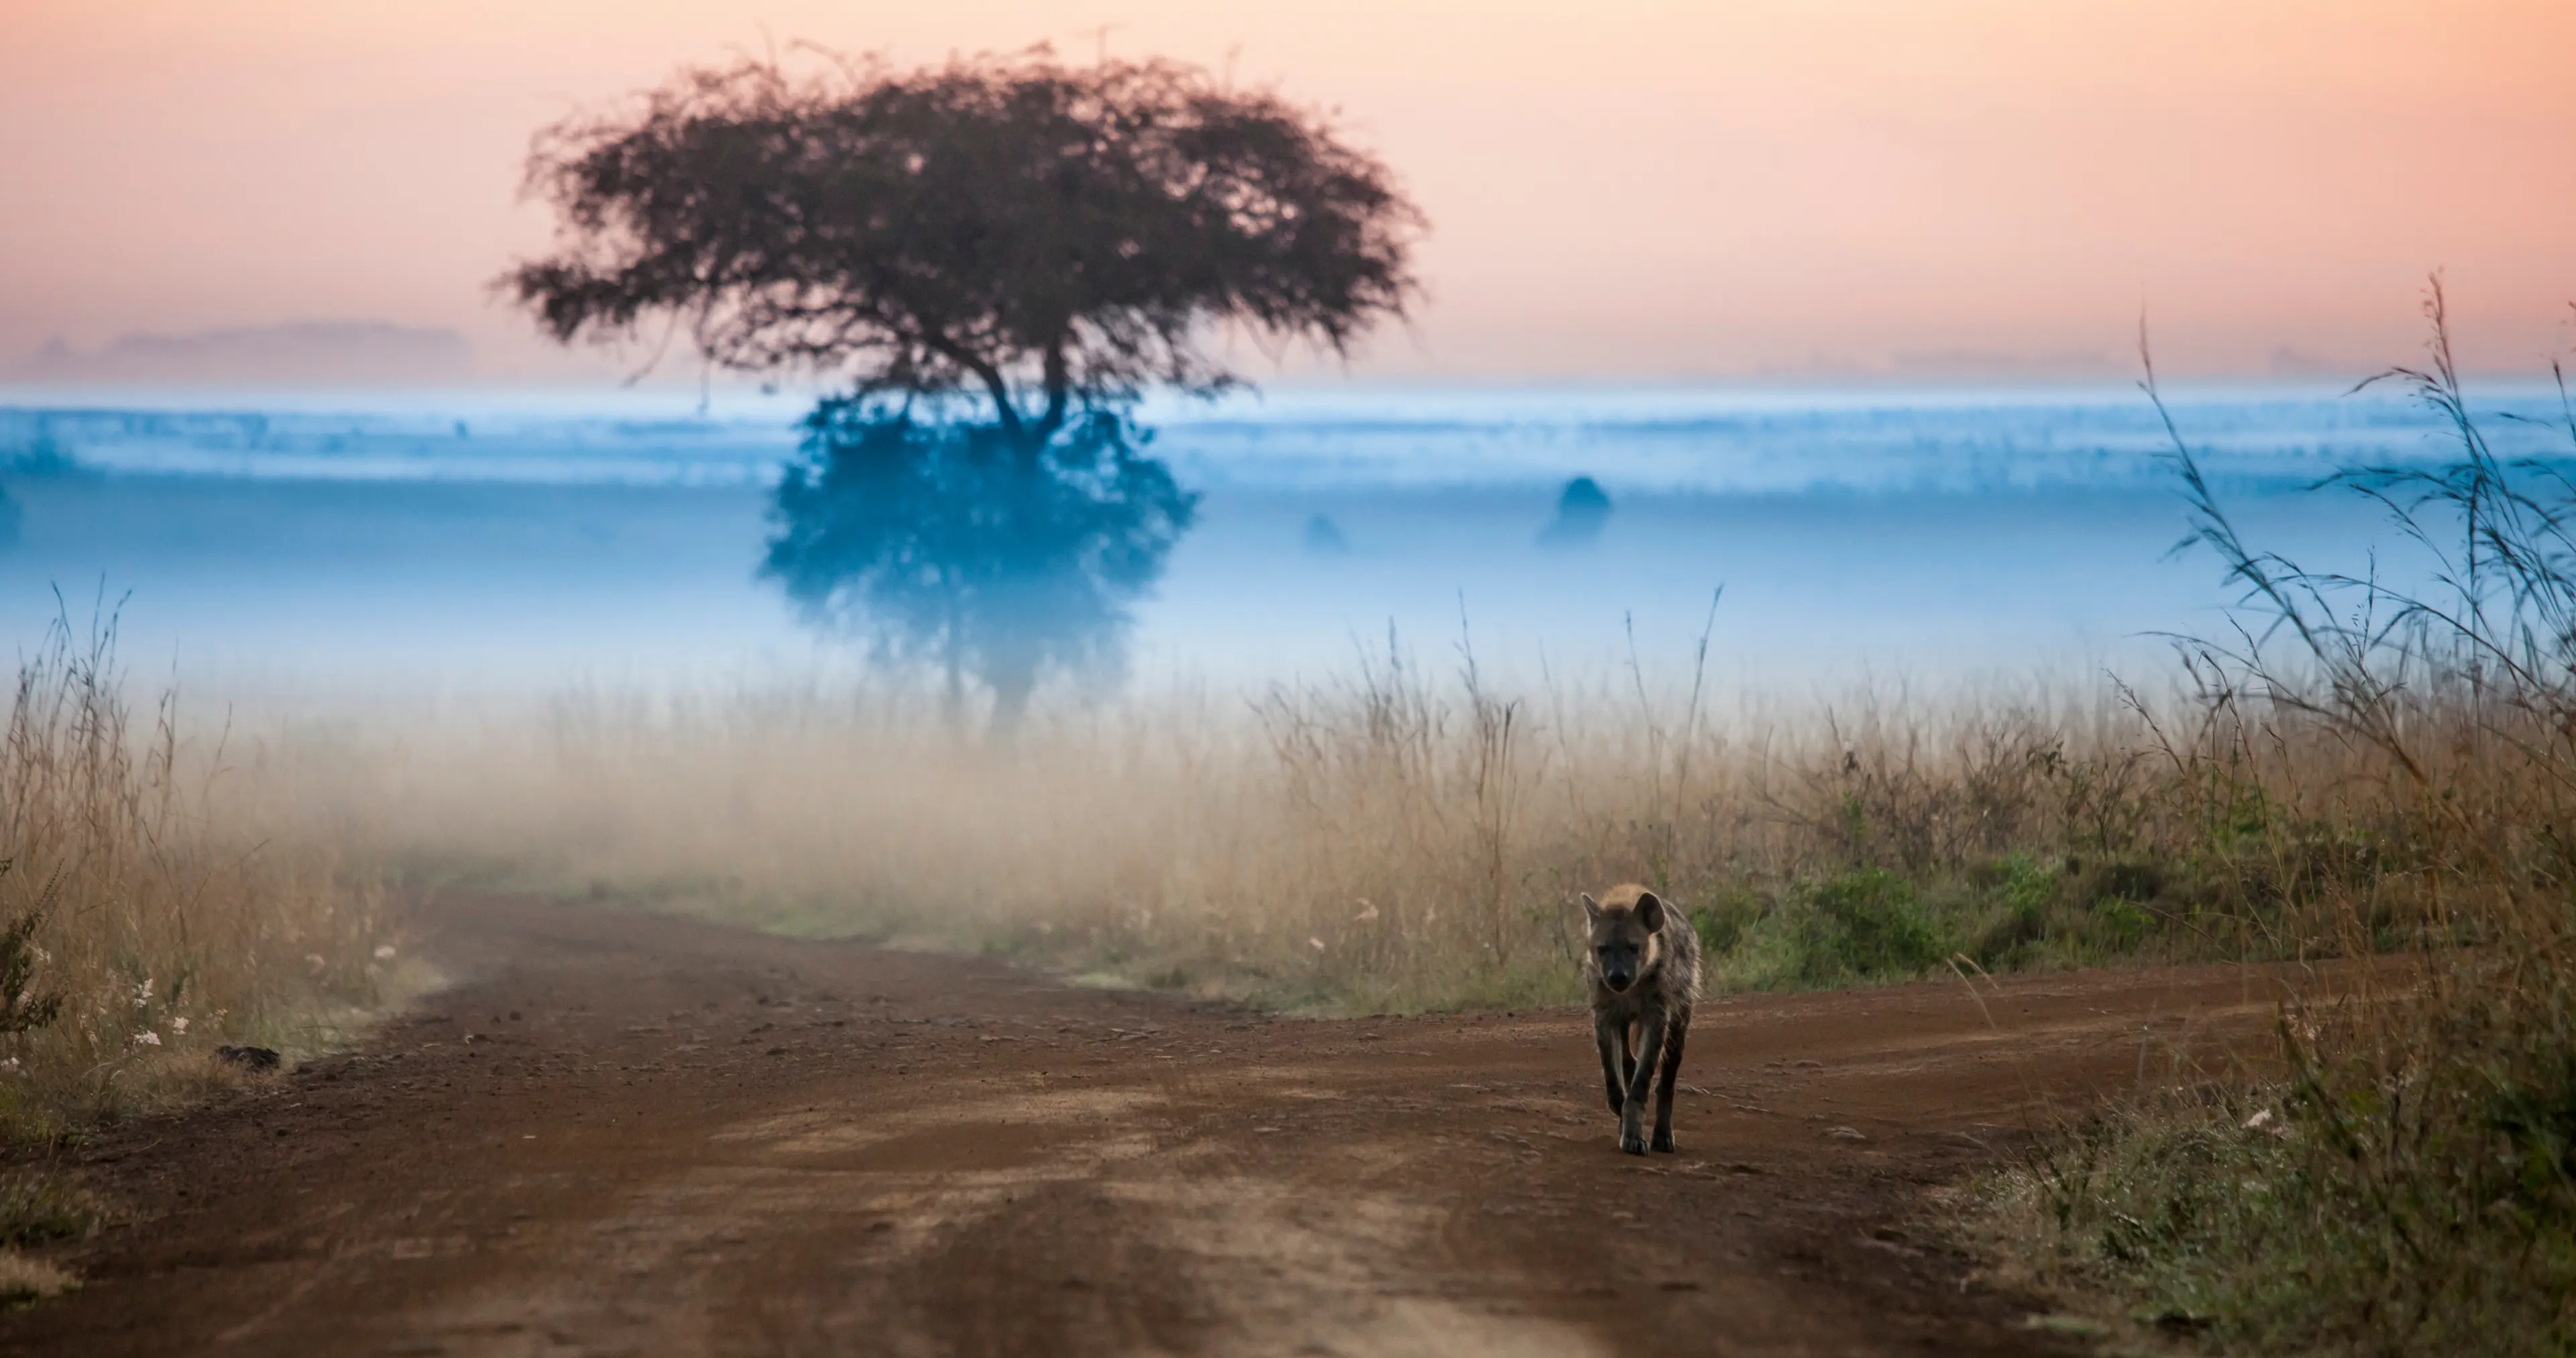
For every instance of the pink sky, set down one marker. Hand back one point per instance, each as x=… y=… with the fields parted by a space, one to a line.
x=1635 y=189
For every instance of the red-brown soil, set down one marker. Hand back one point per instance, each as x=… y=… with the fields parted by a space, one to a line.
x=629 y=1134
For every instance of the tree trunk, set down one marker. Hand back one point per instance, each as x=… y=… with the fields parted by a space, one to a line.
x=952 y=707
x=1012 y=684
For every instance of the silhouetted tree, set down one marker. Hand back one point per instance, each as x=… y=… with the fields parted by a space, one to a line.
x=1323 y=537
x=1023 y=243
x=1581 y=513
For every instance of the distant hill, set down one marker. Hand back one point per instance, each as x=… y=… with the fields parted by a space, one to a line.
x=326 y=352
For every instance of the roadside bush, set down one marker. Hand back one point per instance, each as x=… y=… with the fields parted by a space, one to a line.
x=1866 y=925
x=2023 y=896
x=1722 y=924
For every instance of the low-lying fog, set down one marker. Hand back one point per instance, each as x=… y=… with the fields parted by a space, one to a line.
x=459 y=545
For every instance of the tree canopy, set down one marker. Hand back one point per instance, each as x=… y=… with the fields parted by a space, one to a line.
x=1013 y=232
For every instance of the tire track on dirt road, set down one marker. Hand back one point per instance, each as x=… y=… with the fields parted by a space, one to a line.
x=630 y=1134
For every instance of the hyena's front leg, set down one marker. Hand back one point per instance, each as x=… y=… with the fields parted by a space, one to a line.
x=1672 y=1073
x=1650 y=1049
x=1614 y=1058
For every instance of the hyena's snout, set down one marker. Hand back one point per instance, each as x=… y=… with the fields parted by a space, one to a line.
x=1620 y=961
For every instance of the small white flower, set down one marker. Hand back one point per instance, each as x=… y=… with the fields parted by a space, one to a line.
x=9 y=1064
x=179 y=1025
x=1367 y=911
x=147 y=1038
x=1315 y=943
x=2259 y=1121
x=143 y=992
x=384 y=952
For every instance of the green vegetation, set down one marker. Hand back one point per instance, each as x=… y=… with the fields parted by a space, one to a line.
x=2321 y=1214
x=2408 y=1185
x=1872 y=924
x=38 y=1208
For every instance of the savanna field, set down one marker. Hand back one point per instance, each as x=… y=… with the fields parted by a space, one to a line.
x=715 y=682
x=2365 y=782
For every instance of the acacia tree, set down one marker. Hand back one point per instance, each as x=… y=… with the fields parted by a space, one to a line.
x=1006 y=240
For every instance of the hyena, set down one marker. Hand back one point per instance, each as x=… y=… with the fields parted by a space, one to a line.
x=1643 y=970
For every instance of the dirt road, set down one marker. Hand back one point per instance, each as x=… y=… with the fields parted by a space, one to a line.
x=623 y=1134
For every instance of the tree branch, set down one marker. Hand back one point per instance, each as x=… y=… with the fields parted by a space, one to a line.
x=1005 y=410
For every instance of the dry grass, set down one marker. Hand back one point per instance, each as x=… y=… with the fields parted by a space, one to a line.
x=2410 y=1186
x=39 y=1208
x=1396 y=841
x=24 y=1279
x=143 y=920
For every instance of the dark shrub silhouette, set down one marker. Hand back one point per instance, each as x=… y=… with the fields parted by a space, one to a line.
x=1007 y=241
x=1323 y=537
x=1581 y=513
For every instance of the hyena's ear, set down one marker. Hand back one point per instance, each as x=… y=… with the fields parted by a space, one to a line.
x=1650 y=911
x=1591 y=909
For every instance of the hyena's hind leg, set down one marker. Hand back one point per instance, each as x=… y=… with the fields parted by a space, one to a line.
x=1671 y=1074
x=1613 y=1038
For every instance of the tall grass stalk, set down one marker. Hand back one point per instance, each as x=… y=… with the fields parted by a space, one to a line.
x=2410 y=1185
x=142 y=920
